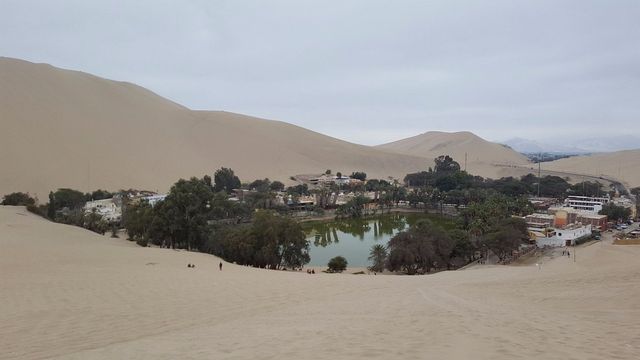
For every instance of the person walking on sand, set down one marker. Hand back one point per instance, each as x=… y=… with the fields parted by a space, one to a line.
x=220 y=265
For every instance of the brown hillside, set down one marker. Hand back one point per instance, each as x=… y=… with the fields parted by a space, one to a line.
x=482 y=155
x=62 y=128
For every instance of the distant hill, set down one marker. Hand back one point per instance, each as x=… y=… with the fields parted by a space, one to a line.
x=61 y=128
x=622 y=165
x=575 y=145
x=482 y=155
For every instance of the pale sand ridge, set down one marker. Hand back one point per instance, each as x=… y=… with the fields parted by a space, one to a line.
x=482 y=155
x=70 y=294
x=61 y=128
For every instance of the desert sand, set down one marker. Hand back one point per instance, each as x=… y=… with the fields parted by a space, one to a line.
x=482 y=155
x=621 y=165
x=67 y=293
x=62 y=128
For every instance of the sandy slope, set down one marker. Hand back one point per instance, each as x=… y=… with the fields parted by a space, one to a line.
x=622 y=165
x=70 y=294
x=61 y=128
x=482 y=155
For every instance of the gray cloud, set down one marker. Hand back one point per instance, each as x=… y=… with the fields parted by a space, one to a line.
x=365 y=71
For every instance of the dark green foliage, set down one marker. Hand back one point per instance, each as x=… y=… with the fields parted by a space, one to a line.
x=301 y=189
x=225 y=180
x=276 y=186
x=271 y=241
x=98 y=195
x=506 y=237
x=185 y=211
x=378 y=257
x=353 y=208
x=362 y=176
x=40 y=210
x=587 y=188
x=337 y=264
x=260 y=185
x=420 y=249
x=463 y=247
x=376 y=185
x=18 y=199
x=553 y=186
x=137 y=219
x=51 y=208
x=67 y=198
x=615 y=212
x=445 y=163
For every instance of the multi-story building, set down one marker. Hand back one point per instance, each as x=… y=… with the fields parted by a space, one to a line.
x=586 y=203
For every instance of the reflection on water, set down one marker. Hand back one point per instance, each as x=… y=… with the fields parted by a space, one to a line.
x=353 y=238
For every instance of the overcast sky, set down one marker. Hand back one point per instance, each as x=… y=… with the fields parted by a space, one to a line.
x=364 y=71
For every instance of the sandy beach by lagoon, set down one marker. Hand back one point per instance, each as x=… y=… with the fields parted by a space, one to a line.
x=67 y=293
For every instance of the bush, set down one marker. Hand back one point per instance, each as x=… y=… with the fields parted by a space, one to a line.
x=337 y=264
x=18 y=199
x=142 y=242
x=38 y=210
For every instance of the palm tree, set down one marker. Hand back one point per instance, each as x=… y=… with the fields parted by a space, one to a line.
x=378 y=256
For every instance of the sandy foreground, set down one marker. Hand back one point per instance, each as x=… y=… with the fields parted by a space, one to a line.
x=67 y=293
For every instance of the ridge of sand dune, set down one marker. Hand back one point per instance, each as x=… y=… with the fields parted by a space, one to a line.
x=70 y=294
x=622 y=165
x=62 y=128
x=482 y=155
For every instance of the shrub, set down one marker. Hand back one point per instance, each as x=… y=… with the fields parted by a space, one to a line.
x=18 y=199
x=337 y=264
x=142 y=242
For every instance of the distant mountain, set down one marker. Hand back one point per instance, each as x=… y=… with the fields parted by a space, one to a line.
x=608 y=143
x=482 y=156
x=573 y=145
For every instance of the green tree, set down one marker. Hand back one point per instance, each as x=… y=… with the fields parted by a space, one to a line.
x=276 y=186
x=18 y=199
x=378 y=257
x=51 y=207
x=353 y=208
x=68 y=198
x=445 y=163
x=337 y=264
x=419 y=249
x=225 y=180
x=362 y=176
x=615 y=212
x=182 y=217
x=137 y=220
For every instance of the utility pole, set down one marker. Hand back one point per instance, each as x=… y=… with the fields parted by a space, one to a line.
x=539 y=172
x=465 y=161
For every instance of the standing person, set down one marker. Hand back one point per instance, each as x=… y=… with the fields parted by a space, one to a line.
x=220 y=265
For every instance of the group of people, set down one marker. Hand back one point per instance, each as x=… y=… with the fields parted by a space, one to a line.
x=311 y=271
x=194 y=265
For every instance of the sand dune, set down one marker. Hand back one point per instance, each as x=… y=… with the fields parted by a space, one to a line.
x=622 y=165
x=61 y=128
x=482 y=155
x=70 y=294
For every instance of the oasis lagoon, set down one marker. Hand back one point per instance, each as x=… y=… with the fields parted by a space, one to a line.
x=353 y=238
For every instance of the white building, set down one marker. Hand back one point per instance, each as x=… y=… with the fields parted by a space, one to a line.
x=154 y=199
x=566 y=236
x=106 y=208
x=586 y=203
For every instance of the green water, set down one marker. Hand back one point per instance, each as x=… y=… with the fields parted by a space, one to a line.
x=353 y=238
